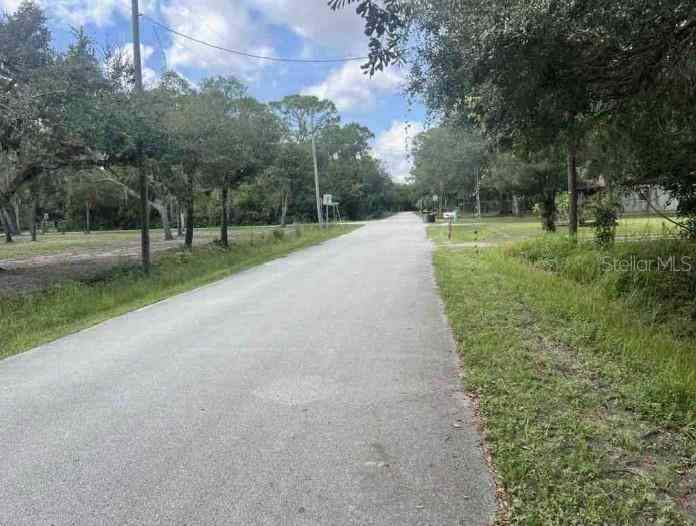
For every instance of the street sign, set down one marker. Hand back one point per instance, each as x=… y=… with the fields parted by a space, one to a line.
x=327 y=199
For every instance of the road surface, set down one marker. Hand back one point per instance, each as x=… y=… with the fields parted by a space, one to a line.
x=317 y=389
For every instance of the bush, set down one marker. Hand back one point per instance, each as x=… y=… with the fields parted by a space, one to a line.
x=604 y=208
x=563 y=206
x=690 y=231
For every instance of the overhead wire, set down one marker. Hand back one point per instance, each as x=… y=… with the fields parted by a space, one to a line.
x=246 y=54
x=161 y=48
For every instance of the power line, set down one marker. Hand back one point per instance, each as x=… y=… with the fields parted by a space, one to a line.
x=250 y=55
x=161 y=48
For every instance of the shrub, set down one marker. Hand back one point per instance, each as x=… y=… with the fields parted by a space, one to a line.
x=563 y=206
x=690 y=231
x=604 y=208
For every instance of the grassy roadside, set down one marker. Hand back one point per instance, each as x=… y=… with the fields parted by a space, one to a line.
x=501 y=230
x=30 y=320
x=589 y=415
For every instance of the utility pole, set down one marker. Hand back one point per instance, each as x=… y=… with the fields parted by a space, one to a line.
x=142 y=177
x=316 y=181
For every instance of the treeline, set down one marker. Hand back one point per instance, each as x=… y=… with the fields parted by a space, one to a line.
x=558 y=90
x=76 y=138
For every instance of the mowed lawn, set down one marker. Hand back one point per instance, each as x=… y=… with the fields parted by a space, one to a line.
x=499 y=230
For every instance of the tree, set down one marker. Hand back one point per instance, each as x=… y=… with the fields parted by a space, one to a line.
x=544 y=73
x=289 y=178
x=447 y=162
x=534 y=175
x=48 y=100
x=352 y=174
x=345 y=158
x=305 y=116
x=247 y=134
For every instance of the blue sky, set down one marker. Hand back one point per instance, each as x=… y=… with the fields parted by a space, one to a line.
x=287 y=28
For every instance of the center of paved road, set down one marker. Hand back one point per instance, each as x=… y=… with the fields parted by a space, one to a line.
x=320 y=388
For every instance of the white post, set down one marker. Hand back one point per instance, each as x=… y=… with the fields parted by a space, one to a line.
x=478 y=194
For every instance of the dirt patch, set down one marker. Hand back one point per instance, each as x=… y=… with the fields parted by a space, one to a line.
x=34 y=273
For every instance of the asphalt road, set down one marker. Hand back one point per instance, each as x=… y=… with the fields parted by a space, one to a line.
x=317 y=389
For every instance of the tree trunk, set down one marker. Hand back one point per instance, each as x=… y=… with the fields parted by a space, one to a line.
x=548 y=212
x=143 y=184
x=505 y=206
x=34 y=209
x=18 y=218
x=163 y=211
x=88 y=226
x=172 y=211
x=224 y=239
x=189 y=214
x=12 y=227
x=516 y=211
x=572 y=189
x=284 y=209
x=6 y=224
x=44 y=225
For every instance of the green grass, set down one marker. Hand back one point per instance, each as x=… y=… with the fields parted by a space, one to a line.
x=643 y=226
x=30 y=320
x=589 y=413
x=655 y=277
x=489 y=230
x=501 y=230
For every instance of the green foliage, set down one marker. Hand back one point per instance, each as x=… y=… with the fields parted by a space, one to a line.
x=690 y=231
x=614 y=79
x=306 y=115
x=67 y=113
x=655 y=275
x=604 y=208
x=535 y=175
x=446 y=163
x=562 y=205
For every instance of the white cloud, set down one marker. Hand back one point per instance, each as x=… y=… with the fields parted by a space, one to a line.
x=393 y=148
x=80 y=12
x=214 y=21
x=350 y=88
x=241 y=24
x=341 y=30
x=9 y=5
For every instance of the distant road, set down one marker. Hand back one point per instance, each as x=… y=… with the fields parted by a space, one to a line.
x=317 y=389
